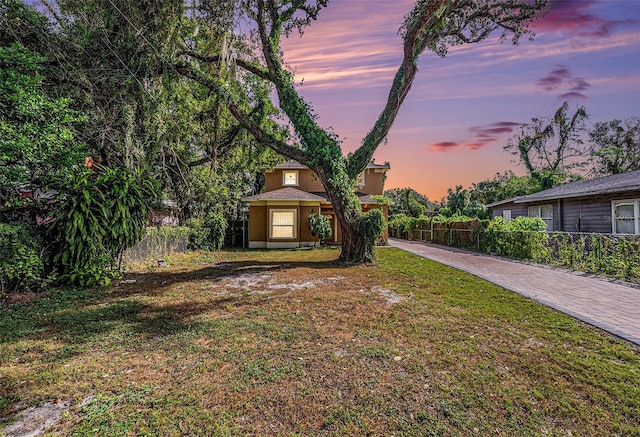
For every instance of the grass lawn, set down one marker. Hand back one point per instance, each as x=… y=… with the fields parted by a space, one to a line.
x=287 y=343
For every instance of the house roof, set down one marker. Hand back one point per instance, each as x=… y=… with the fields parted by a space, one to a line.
x=364 y=198
x=294 y=165
x=501 y=202
x=286 y=193
x=618 y=183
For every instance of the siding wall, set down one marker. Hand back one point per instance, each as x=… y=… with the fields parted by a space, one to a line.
x=585 y=214
x=591 y=214
x=516 y=210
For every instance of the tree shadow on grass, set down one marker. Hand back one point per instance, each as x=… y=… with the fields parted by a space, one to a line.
x=83 y=317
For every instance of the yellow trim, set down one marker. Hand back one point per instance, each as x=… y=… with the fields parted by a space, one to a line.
x=257 y=203
x=283 y=202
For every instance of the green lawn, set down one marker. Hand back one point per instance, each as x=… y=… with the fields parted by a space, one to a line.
x=287 y=343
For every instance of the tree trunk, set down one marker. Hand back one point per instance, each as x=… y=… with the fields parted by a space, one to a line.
x=359 y=230
x=355 y=247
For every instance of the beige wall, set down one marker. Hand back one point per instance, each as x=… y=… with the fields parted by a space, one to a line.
x=304 y=231
x=257 y=223
x=307 y=181
x=373 y=182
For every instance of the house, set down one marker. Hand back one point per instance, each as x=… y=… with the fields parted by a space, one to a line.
x=609 y=204
x=164 y=215
x=279 y=217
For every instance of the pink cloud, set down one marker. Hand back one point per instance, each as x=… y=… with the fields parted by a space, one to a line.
x=573 y=18
x=447 y=146
x=482 y=136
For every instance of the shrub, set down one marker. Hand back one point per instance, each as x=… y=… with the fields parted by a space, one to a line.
x=520 y=238
x=208 y=234
x=98 y=218
x=21 y=261
x=320 y=226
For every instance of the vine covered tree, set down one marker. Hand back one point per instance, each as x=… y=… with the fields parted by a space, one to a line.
x=433 y=25
x=550 y=148
x=615 y=146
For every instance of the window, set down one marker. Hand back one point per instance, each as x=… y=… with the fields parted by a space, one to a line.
x=283 y=223
x=360 y=180
x=290 y=178
x=626 y=216
x=506 y=215
x=545 y=212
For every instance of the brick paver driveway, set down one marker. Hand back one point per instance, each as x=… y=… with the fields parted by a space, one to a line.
x=609 y=305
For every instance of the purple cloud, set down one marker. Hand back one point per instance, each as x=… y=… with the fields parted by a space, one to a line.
x=447 y=146
x=573 y=18
x=482 y=136
x=561 y=77
x=572 y=95
x=555 y=78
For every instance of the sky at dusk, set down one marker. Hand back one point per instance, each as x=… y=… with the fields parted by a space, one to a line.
x=464 y=108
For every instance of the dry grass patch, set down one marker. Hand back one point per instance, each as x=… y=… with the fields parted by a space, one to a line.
x=288 y=343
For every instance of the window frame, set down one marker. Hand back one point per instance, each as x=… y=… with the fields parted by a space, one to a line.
x=294 y=225
x=547 y=220
x=284 y=178
x=360 y=182
x=635 y=218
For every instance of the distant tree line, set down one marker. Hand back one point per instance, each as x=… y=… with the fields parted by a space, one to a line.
x=553 y=150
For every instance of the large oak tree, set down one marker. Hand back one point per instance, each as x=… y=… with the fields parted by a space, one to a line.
x=433 y=25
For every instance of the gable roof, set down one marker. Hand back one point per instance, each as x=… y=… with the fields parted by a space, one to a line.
x=294 y=165
x=287 y=193
x=618 y=183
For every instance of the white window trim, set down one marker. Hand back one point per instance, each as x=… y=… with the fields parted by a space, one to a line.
x=284 y=179
x=506 y=215
x=360 y=182
x=636 y=215
x=539 y=207
x=295 y=224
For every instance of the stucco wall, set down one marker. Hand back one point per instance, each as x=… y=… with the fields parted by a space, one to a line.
x=257 y=223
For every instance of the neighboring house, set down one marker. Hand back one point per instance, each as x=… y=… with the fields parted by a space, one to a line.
x=609 y=204
x=279 y=217
x=166 y=215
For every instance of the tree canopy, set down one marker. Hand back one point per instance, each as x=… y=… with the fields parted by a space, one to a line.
x=433 y=25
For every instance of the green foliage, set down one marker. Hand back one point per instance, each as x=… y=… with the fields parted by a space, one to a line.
x=320 y=226
x=548 y=147
x=208 y=234
x=520 y=238
x=408 y=201
x=502 y=186
x=99 y=217
x=614 y=256
x=401 y=225
x=369 y=227
x=38 y=148
x=22 y=266
x=615 y=146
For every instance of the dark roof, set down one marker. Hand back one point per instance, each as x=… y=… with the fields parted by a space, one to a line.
x=287 y=193
x=500 y=202
x=294 y=165
x=618 y=183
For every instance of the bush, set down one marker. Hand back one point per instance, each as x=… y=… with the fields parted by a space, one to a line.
x=320 y=226
x=21 y=261
x=98 y=218
x=208 y=234
x=520 y=238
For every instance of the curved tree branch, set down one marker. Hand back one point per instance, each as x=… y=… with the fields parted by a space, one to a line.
x=245 y=120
